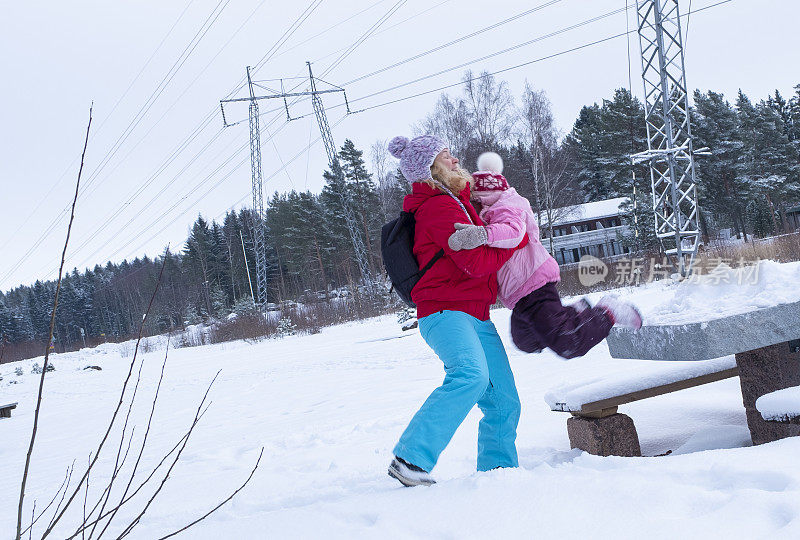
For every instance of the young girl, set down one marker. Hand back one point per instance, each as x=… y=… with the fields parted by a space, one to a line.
x=527 y=282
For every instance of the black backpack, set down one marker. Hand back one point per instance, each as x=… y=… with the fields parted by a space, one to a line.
x=397 y=250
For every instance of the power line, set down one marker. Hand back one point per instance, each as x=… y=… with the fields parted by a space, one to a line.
x=241 y=199
x=510 y=68
x=192 y=136
x=286 y=35
x=267 y=56
x=305 y=149
x=180 y=200
x=147 y=63
x=307 y=12
x=455 y=41
x=215 y=13
x=118 y=212
x=323 y=32
x=387 y=28
x=173 y=71
x=430 y=51
x=295 y=25
x=373 y=34
x=464 y=64
x=503 y=51
x=364 y=36
x=100 y=127
x=335 y=64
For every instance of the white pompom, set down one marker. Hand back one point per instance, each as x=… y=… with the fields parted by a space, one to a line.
x=491 y=162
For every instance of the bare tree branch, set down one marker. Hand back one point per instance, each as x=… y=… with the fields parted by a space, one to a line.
x=58 y=492
x=85 y=526
x=116 y=410
x=66 y=487
x=50 y=337
x=85 y=497
x=138 y=518
x=141 y=449
x=231 y=496
x=33 y=512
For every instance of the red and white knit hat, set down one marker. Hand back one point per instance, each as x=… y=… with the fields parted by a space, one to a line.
x=488 y=177
x=489 y=181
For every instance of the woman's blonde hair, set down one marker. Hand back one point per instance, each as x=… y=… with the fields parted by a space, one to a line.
x=455 y=180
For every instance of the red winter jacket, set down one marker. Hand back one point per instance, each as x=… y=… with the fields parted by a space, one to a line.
x=463 y=280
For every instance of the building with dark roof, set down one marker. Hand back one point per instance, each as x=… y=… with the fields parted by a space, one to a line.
x=591 y=228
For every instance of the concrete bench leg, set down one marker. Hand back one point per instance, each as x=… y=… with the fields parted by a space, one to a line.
x=613 y=435
x=766 y=370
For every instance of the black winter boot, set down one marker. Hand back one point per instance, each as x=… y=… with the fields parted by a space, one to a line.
x=408 y=474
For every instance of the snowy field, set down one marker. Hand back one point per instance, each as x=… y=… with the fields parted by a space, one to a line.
x=328 y=408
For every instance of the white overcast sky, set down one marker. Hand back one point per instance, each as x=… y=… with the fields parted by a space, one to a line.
x=144 y=186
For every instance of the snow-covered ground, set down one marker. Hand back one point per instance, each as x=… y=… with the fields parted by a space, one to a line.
x=726 y=291
x=328 y=408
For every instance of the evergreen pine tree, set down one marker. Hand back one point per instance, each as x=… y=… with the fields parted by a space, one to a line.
x=366 y=202
x=768 y=162
x=199 y=258
x=721 y=190
x=793 y=129
x=601 y=142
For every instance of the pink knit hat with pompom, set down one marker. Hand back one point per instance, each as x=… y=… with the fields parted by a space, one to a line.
x=489 y=181
x=488 y=177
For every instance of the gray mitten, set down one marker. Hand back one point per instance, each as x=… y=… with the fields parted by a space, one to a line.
x=467 y=237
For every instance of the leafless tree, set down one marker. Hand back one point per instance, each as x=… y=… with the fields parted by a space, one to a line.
x=546 y=158
x=379 y=159
x=451 y=121
x=491 y=108
x=557 y=188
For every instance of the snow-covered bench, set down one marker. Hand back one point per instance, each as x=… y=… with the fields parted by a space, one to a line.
x=766 y=346
x=596 y=426
x=5 y=410
x=766 y=343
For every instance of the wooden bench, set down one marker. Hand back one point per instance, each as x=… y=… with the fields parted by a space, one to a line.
x=766 y=347
x=5 y=410
x=596 y=425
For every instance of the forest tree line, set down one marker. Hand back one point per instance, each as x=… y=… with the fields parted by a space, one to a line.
x=747 y=184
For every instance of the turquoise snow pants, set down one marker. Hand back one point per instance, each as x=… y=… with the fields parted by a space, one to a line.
x=476 y=371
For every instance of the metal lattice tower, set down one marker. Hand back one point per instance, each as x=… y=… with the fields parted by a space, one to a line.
x=669 y=136
x=359 y=250
x=259 y=218
x=258 y=214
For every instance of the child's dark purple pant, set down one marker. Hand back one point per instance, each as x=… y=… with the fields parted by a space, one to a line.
x=539 y=320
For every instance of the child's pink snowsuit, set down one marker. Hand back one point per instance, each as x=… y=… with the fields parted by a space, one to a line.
x=509 y=216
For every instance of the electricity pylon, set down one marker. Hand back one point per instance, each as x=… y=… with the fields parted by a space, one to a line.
x=255 y=161
x=669 y=135
x=346 y=199
x=259 y=217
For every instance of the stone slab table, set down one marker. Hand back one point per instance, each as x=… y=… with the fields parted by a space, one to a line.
x=766 y=343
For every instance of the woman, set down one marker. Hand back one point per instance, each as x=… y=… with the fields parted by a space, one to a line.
x=453 y=300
